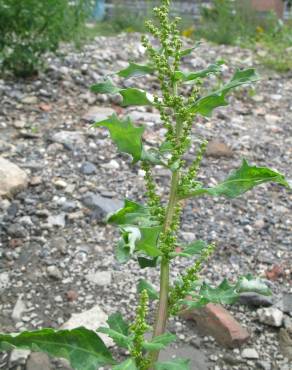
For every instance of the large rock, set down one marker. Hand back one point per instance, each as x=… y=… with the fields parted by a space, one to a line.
x=97 y=114
x=91 y=319
x=214 y=320
x=12 y=178
x=38 y=361
x=101 y=206
x=217 y=149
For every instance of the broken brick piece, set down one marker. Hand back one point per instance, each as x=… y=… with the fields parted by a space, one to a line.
x=216 y=321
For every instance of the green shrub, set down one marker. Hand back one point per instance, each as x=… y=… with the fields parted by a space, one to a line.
x=231 y=22
x=30 y=28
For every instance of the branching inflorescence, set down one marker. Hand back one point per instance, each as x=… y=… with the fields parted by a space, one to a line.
x=149 y=233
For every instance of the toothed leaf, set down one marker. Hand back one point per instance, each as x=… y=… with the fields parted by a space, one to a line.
x=133 y=96
x=159 y=342
x=83 y=348
x=125 y=135
x=243 y=179
x=205 y=105
x=135 y=70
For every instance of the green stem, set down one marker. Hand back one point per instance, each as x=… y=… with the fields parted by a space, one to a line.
x=162 y=312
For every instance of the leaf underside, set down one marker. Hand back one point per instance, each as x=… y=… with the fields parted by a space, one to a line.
x=139 y=231
x=83 y=348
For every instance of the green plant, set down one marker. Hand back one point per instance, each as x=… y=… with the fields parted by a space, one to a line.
x=149 y=232
x=30 y=28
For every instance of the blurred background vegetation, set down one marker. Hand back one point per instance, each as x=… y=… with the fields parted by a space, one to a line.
x=30 y=28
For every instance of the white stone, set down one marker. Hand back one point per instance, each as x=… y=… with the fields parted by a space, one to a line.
x=19 y=357
x=91 y=320
x=54 y=272
x=271 y=316
x=101 y=278
x=112 y=165
x=12 y=178
x=18 y=309
x=96 y=114
x=4 y=281
x=250 y=353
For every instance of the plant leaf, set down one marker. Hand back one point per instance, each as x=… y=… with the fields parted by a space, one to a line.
x=83 y=348
x=144 y=285
x=132 y=214
x=125 y=135
x=148 y=241
x=122 y=252
x=133 y=96
x=126 y=365
x=117 y=323
x=159 y=342
x=120 y=339
x=249 y=284
x=135 y=70
x=206 y=104
x=243 y=179
x=227 y=293
x=190 y=76
x=106 y=87
x=179 y=364
x=191 y=249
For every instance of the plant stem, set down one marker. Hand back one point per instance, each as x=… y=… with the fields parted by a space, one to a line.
x=162 y=312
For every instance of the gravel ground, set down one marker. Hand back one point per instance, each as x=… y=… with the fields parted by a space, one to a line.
x=56 y=256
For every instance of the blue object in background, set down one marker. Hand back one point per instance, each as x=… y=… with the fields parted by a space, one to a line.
x=99 y=10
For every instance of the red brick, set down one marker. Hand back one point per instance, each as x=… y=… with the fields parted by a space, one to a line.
x=216 y=321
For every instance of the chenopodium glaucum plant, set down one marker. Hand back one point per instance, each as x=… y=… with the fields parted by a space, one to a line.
x=149 y=231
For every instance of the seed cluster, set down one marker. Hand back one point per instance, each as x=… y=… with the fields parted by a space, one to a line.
x=182 y=288
x=138 y=329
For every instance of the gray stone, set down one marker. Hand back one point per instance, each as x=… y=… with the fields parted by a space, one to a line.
x=69 y=139
x=264 y=365
x=101 y=206
x=12 y=178
x=271 y=316
x=88 y=168
x=250 y=353
x=17 y=231
x=255 y=300
x=4 y=281
x=18 y=309
x=54 y=272
x=96 y=114
x=38 y=361
x=30 y=99
x=101 y=278
x=91 y=319
x=59 y=243
x=287 y=303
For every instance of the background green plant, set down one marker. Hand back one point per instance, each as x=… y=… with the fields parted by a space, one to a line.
x=149 y=233
x=30 y=28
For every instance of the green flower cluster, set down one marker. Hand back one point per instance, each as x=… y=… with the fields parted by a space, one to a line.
x=138 y=329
